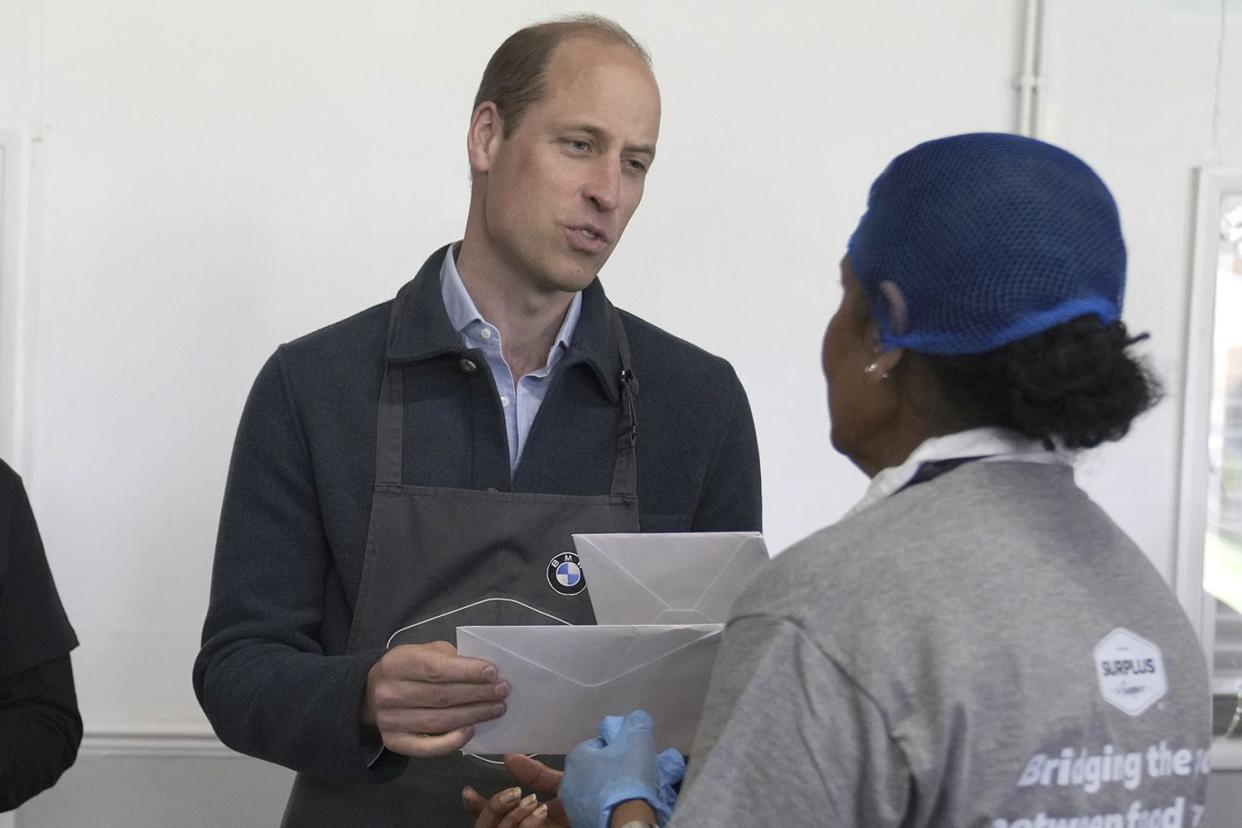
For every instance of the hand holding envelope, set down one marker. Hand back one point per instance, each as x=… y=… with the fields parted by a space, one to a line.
x=661 y=601
x=565 y=679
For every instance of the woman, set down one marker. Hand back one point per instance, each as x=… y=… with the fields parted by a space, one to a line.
x=976 y=643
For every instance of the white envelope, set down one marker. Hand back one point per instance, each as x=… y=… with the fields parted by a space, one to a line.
x=565 y=679
x=676 y=578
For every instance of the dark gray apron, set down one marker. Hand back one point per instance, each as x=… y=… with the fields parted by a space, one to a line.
x=439 y=558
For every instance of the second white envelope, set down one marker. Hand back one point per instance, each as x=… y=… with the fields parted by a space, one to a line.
x=677 y=578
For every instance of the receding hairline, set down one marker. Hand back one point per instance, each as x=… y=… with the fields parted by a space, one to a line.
x=553 y=33
x=567 y=27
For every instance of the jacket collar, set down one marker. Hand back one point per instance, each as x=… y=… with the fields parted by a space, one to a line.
x=419 y=327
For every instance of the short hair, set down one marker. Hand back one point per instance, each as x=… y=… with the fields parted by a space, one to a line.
x=514 y=77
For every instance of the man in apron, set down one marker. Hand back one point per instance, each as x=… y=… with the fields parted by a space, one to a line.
x=422 y=465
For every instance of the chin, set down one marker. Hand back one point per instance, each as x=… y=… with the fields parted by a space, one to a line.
x=570 y=281
x=835 y=439
x=842 y=445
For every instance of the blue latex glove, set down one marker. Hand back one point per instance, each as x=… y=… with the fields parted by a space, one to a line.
x=619 y=766
x=670 y=766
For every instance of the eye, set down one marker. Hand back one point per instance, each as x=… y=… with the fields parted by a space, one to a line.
x=578 y=145
x=636 y=165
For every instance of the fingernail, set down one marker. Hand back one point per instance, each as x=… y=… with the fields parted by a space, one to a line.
x=510 y=795
x=530 y=800
x=489 y=673
x=541 y=811
x=501 y=690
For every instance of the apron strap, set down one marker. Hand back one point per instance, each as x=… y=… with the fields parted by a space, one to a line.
x=625 y=468
x=389 y=423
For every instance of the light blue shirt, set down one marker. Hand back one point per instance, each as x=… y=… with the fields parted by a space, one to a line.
x=519 y=400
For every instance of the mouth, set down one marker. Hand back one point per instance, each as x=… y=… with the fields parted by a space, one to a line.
x=587 y=237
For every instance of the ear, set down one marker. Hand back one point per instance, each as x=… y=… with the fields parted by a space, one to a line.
x=484 y=138
x=885 y=362
x=897 y=316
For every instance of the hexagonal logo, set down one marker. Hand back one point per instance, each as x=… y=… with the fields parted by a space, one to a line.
x=1131 y=671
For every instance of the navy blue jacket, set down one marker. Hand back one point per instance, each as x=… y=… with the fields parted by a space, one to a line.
x=273 y=676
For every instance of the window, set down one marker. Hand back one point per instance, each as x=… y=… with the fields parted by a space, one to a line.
x=1210 y=533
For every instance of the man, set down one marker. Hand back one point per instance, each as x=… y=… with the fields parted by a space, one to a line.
x=40 y=728
x=423 y=464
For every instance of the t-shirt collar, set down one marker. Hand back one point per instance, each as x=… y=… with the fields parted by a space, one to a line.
x=989 y=444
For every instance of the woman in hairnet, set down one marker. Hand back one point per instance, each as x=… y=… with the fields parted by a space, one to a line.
x=976 y=643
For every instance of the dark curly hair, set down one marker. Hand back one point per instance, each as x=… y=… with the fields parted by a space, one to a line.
x=1074 y=384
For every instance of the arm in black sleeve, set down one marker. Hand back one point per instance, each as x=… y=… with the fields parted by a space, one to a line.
x=732 y=496
x=262 y=676
x=40 y=730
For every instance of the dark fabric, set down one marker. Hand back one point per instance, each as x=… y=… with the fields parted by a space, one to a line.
x=929 y=471
x=40 y=730
x=39 y=723
x=440 y=558
x=273 y=675
x=33 y=625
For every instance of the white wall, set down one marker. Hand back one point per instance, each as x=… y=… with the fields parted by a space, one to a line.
x=1132 y=87
x=221 y=176
x=213 y=178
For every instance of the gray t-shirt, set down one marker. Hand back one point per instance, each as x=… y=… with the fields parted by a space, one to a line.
x=984 y=649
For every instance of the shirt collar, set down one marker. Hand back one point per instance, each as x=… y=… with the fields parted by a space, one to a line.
x=460 y=308
x=420 y=328
x=463 y=313
x=988 y=444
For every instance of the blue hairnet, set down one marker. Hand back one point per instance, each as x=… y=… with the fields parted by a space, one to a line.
x=989 y=238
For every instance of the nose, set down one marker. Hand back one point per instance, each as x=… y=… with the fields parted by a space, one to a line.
x=604 y=186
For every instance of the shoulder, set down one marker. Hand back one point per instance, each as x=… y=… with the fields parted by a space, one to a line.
x=13 y=510
x=668 y=361
x=13 y=501
x=326 y=375
x=947 y=557
x=924 y=546
x=345 y=344
x=9 y=480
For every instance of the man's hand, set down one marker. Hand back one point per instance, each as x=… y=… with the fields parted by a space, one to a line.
x=424 y=698
x=508 y=809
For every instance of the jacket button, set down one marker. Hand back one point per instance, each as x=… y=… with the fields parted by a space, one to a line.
x=468 y=367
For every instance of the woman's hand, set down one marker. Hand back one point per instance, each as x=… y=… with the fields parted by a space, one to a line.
x=509 y=809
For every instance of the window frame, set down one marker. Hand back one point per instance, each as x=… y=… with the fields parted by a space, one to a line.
x=1212 y=186
x=15 y=335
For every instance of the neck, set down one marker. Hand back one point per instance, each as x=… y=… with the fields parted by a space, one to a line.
x=920 y=412
x=527 y=316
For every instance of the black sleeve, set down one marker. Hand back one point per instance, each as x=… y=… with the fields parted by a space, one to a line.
x=262 y=676
x=33 y=626
x=732 y=498
x=40 y=730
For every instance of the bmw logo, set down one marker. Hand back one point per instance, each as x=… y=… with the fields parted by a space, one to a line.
x=565 y=574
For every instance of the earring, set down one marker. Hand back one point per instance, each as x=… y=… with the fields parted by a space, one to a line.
x=872 y=368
